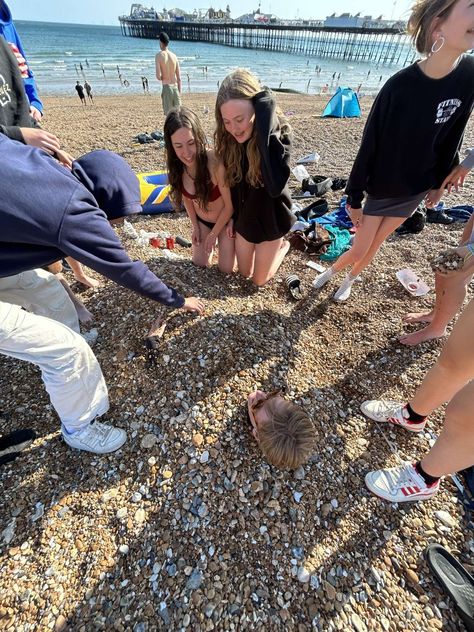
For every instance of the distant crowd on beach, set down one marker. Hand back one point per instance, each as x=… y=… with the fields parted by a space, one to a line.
x=239 y=204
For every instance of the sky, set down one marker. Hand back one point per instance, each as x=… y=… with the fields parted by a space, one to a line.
x=106 y=11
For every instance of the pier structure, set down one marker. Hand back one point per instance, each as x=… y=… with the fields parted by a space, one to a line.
x=377 y=45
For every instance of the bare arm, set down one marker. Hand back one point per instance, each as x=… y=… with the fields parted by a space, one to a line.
x=189 y=206
x=178 y=75
x=158 y=66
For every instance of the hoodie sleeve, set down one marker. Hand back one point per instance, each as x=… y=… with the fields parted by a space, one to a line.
x=273 y=145
x=448 y=152
x=360 y=171
x=27 y=74
x=87 y=236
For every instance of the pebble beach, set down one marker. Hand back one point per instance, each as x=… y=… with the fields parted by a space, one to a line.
x=187 y=527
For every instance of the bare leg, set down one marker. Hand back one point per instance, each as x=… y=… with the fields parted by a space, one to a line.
x=83 y=313
x=268 y=258
x=363 y=240
x=226 y=255
x=245 y=252
x=453 y=370
x=200 y=257
x=385 y=228
x=454 y=449
x=80 y=275
x=419 y=317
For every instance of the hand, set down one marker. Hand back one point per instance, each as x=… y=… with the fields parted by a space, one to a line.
x=35 y=114
x=355 y=214
x=196 y=236
x=230 y=229
x=455 y=178
x=433 y=197
x=210 y=243
x=193 y=304
x=64 y=158
x=41 y=139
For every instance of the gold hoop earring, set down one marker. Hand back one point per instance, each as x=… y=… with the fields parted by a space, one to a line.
x=437 y=45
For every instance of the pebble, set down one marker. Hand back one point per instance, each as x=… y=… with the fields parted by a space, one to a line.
x=122 y=513
x=297 y=496
x=445 y=518
x=204 y=458
x=124 y=549
x=148 y=441
x=358 y=624
x=198 y=439
x=303 y=575
x=195 y=580
x=167 y=474
x=140 y=516
x=136 y=497
x=412 y=576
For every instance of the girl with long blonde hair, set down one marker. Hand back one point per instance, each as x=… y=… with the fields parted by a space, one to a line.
x=253 y=141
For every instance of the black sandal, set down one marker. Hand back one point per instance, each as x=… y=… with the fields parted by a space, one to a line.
x=294 y=287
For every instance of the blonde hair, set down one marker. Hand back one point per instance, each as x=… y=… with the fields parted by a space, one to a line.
x=239 y=84
x=422 y=21
x=288 y=438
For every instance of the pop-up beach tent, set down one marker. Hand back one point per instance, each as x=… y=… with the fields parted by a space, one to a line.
x=344 y=103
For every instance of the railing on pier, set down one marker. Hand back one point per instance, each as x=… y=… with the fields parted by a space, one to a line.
x=380 y=46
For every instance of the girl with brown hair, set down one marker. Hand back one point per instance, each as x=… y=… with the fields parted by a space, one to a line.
x=413 y=134
x=253 y=141
x=197 y=179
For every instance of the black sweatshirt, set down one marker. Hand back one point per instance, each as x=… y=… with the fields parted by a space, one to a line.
x=413 y=134
x=14 y=104
x=264 y=213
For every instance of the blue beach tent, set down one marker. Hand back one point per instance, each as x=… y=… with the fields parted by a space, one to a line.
x=344 y=103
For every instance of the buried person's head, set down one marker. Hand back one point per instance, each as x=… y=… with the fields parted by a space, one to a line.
x=283 y=430
x=111 y=181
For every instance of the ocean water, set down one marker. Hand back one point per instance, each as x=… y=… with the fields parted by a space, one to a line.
x=55 y=52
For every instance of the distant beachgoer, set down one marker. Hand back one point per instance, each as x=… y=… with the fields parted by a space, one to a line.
x=103 y=70
x=10 y=34
x=368 y=74
x=80 y=92
x=77 y=71
x=307 y=63
x=398 y=171
x=143 y=85
x=88 y=88
x=325 y=88
x=380 y=78
x=120 y=79
x=334 y=76
x=146 y=85
x=87 y=64
x=198 y=181
x=253 y=140
x=80 y=66
x=338 y=76
x=168 y=72
x=283 y=431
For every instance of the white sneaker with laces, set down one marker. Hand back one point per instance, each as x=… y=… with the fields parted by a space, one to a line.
x=96 y=437
x=343 y=293
x=400 y=484
x=388 y=411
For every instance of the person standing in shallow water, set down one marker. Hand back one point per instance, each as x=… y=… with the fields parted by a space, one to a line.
x=88 y=88
x=413 y=134
x=168 y=72
x=253 y=141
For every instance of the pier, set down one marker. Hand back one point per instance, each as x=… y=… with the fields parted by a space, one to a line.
x=375 y=45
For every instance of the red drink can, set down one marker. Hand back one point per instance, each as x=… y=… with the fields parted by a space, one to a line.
x=155 y=242
x=170 y=243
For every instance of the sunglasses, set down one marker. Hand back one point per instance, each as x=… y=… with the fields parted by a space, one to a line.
x=265 y=399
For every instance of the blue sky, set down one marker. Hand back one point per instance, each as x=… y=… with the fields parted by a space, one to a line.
x=106 y=11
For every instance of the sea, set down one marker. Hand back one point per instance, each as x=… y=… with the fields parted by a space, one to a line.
x=61 y=54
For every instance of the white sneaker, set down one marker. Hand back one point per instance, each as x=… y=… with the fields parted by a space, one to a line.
x=345 y=290
x=400 y=484
x=387 y=411
x=323 y=278
x=95 y=437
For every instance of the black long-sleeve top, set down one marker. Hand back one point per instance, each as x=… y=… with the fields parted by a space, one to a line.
x=413 y=133
x=264 y=213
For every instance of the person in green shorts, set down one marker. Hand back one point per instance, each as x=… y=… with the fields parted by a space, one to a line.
x=167 y=71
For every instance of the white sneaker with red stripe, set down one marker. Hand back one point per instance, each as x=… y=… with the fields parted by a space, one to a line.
x=400 y=484
x=386 y=411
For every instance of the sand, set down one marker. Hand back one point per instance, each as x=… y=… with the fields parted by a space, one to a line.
x=187 y=526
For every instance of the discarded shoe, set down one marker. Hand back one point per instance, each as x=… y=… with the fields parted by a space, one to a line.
x=338 y=183
x=413 y=224
x=316 y=185
x=13 y=443
x=434 y=216
x=313 y=210
x=157 y=135
x=455 y=581
x=294 y=287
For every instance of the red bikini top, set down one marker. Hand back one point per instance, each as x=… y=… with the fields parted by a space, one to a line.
x=214 y=195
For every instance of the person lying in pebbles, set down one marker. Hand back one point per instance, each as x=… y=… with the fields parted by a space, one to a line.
x=283 y=431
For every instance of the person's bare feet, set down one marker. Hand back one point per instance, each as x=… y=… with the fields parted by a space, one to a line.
x=422 y=335
x=83 y=314
x=88 y=281
x=419 y=317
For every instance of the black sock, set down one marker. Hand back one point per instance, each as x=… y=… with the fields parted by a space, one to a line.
x=412 y=416
x=429 y=480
